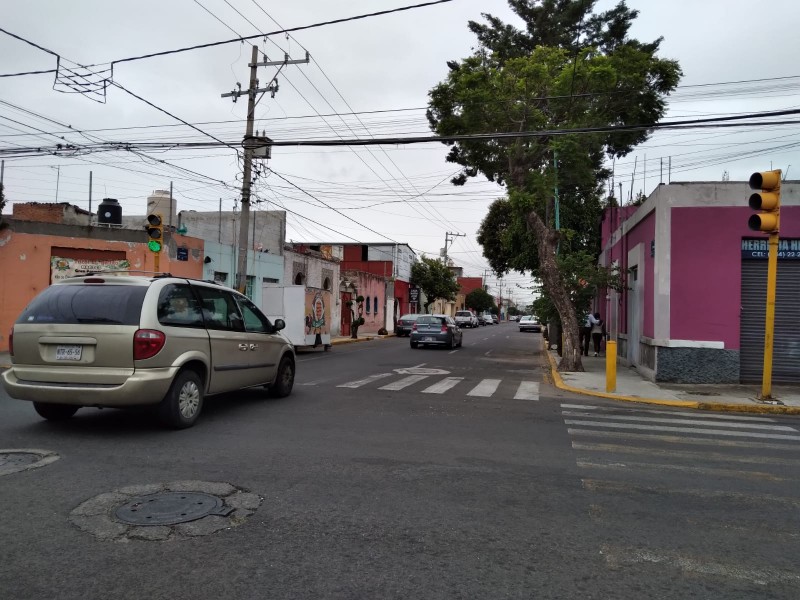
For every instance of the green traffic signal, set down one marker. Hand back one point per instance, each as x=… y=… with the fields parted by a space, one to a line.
x=155 y=233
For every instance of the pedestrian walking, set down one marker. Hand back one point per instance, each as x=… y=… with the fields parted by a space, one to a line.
x=598 y=332
x=586 y=333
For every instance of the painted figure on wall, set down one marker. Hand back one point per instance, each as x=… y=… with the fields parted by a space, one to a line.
x=317 y=318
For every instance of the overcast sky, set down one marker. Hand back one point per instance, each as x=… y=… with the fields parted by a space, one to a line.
x=381 y=67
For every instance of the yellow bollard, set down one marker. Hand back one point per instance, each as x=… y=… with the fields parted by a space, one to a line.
x=611 y=366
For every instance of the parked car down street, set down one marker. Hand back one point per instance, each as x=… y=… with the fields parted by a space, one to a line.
x=405 y=324
x=529 y=323
x=106 y=340
x=466 y=318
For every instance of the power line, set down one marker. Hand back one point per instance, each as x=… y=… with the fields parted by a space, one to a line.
x=289 y=30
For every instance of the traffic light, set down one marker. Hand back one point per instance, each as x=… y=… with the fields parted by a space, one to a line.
x=155 y=232
x=768 y=201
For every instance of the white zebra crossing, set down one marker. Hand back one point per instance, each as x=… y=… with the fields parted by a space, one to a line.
x=444 y=385
x=528 y=390
x=358 y=383
x=486 y=388
x=404 y=382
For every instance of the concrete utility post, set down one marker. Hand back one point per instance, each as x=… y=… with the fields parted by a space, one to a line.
x=254 y=146
x=449 y=238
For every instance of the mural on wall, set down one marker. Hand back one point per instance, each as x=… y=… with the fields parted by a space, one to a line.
x=63 y=268
x=318 y=317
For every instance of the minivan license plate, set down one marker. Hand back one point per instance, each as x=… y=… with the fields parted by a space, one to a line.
x=72 y=352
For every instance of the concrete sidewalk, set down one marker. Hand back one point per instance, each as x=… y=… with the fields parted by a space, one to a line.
x=362 y=337
x=633 y=387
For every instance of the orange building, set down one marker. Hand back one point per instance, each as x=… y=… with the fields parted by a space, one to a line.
x=47 y=242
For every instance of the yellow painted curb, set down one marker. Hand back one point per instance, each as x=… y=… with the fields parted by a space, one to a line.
x=716 y=406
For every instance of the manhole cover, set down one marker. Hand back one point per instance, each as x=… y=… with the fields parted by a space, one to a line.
x=421 y=371
x=170 y=508
x=17 y=459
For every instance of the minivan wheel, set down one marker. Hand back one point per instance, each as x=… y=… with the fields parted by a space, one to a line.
x=55 y=412
x=284 y=379
x=183 y=402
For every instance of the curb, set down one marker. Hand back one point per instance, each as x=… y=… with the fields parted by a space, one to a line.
x=336 y=342
x=710 y=406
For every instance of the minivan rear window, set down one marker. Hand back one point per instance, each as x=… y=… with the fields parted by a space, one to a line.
x=86 y=304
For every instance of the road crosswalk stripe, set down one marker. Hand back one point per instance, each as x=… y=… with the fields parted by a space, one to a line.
x=365 y=381
x=404 y=382
x=700 y=421
x=528 y=390
x=444 y=385
x=740 y=474
x=685 y=413
x=485 y=388
x=675 y=439
x=695 y=430
x=671 y=453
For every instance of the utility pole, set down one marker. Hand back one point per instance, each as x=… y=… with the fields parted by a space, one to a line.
x=254 y=146
x=449 y=238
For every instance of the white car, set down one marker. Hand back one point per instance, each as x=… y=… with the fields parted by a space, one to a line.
x=529 y=323
x=466 y=318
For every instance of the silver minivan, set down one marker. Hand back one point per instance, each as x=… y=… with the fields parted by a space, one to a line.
x=107 y=340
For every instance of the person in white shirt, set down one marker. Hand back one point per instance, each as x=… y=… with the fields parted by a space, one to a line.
x=586 y=333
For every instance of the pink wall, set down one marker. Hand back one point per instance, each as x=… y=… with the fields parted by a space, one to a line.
x=643 y=233
x=372 y=286
x=705 y=292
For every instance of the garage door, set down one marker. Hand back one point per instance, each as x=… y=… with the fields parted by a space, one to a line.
x=786 y=347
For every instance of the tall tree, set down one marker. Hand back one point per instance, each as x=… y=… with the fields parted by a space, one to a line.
x=479 y=300
x=586 y=91
x=435 y=280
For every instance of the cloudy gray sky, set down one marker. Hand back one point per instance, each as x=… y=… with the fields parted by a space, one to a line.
x=381 y=68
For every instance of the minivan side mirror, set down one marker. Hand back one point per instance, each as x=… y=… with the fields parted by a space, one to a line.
x=279 y=324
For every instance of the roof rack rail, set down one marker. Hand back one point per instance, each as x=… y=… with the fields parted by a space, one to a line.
x=128 y=271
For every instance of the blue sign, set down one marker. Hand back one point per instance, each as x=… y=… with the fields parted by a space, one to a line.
x=758 y=249
x=183 y=254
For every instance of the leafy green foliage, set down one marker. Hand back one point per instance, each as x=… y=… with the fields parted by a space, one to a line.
x=434 y=279
x=479 y=300
x=569 y=69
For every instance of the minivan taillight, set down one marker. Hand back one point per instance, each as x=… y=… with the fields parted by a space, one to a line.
x=414 y=327
x=11 y=342
x=147 y=343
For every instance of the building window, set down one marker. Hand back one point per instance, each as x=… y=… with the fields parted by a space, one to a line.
x=326 y=285
x=368 y=299
x=299 y=279
x=269 y=280
x=220 y=277
x=250 y=282
x=376 y=306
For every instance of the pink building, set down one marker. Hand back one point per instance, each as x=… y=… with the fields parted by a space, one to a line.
x=694 y=307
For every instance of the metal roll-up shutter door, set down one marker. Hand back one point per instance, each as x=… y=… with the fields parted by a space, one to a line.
x=786 y=345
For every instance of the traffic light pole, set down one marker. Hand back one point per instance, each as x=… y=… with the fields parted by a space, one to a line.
x=768 y=202
x=769 y=328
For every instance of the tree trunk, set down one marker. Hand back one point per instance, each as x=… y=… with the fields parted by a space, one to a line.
x=547 y=244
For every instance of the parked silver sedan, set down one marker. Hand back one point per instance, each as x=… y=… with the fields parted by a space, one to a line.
x=404 y=324
x=436 y=330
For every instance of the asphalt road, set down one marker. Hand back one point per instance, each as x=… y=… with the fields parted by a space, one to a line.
x=427 y=473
